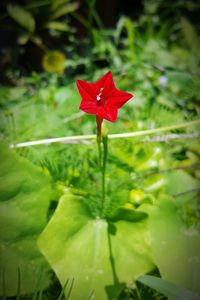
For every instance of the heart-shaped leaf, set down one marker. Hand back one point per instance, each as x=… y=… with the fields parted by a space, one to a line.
x=101 y=257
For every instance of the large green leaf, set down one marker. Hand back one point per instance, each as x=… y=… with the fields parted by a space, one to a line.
x=175 y=247
x=25 y=192
x=22 y=17
x=58 y=26
x=78 y=246
x=191 y=36
x=63 y=9
x=181 y=183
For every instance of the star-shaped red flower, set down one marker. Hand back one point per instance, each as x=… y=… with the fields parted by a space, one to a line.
x=102 y=98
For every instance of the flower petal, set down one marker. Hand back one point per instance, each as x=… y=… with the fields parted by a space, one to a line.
x=102 y=97
x=108 y=113
x=89 y=107
x=86 y=90
x=118 y=98
x=106 y=82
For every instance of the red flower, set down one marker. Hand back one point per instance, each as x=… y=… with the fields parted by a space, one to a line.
x=102 y=98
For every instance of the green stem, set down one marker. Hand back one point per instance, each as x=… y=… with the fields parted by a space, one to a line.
x=111 y=257
x=99 y=151
x=99 y=137
x=97 y=18
x=105 y=151
x=102 y=143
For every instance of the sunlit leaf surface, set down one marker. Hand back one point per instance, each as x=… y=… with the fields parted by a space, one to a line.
x=25 y=193
x=175 y=246
x=102 y=258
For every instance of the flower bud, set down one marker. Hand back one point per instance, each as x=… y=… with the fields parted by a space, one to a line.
x=104 y=130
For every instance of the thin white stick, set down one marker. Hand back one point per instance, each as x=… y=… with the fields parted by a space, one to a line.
x=54 y=140
x=169 y=137
x=156 y=130
x=110 y=136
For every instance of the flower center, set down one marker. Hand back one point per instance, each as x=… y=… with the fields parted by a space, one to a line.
x=98 y=97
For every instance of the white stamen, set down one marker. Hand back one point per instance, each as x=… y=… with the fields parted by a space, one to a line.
x=99 y=95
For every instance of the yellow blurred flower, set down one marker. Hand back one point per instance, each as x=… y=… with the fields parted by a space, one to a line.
x=53 y=62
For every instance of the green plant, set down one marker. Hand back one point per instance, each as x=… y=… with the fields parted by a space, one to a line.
x=34 y=22
x=152 y=173
x=167 y=288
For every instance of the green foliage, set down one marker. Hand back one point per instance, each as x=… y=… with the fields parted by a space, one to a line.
x=25 y=195
x=99 y=255
x=30 y=15
x=42 y=116
x=31 y=23
x=168 y=231
x=191 y=36
x=22 y=17
x=167 y=288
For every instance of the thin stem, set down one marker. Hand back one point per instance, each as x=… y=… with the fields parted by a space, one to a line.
x=99 y=151
x=105 y=151
x=102 y=141
x=111 y=136
x=97 y=18
x=99 y=128
x=99 y=136
x=111 y=257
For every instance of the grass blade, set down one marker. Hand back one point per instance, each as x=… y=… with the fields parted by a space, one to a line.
x=70 y=289
x=18 y=284
x=63 y=290
x=34 y=296
x=91 y=295
x=40 y=294
x=3 y=285
x=167 y=288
